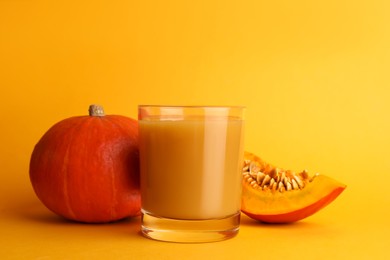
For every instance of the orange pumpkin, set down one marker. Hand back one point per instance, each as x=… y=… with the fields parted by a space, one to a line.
x=86 y=168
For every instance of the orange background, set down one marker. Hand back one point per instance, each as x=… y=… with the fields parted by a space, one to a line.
x=314 y=76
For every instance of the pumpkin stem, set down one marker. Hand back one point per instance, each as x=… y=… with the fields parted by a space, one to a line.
x=96 y=110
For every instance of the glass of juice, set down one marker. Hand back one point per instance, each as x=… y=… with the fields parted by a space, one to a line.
x=191 y=160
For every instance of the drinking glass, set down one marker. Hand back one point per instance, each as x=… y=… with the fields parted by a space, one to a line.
x=191 y=160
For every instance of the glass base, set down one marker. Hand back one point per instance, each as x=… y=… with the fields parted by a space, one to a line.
x=189 y=231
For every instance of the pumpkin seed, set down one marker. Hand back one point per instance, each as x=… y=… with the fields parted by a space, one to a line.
x=266 y=180
x=294 y=184
x=274 y=179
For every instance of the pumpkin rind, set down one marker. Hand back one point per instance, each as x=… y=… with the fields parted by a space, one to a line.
x=86 y=168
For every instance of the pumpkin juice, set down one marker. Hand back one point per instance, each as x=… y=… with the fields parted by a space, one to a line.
x=191 y=167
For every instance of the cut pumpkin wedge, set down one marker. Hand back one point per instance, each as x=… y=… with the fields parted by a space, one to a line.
x=274 y=195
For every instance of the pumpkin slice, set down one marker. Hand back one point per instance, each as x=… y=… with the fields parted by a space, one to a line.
x=275 y=195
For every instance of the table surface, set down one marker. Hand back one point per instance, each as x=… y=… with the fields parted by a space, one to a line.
x=355 y=225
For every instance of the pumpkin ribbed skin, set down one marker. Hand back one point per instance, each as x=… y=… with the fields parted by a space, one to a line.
x=86 y=168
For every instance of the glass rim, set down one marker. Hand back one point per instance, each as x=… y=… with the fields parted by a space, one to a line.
x=191 y=106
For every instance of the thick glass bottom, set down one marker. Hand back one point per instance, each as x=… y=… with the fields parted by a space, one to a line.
x=189 y=231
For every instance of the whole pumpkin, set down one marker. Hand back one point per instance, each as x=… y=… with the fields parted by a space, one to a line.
x=86 y=168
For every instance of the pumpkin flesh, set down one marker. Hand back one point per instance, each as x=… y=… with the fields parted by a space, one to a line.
x=289 y=206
